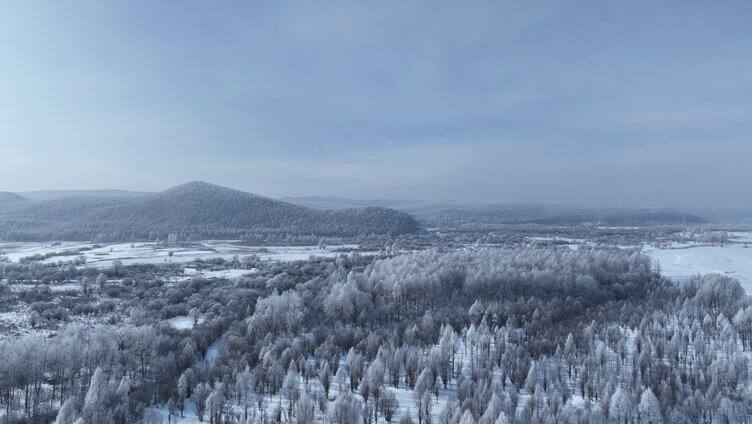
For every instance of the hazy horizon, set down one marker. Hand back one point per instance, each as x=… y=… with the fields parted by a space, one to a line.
x=47 y=194
x=625 y=104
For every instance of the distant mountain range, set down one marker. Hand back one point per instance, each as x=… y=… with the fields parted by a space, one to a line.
x=549 y=214
x=437 y=213
x=199 y=210
x=333 y=202
x=195 y=210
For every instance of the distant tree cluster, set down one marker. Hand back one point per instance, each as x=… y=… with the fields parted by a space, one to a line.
x=492 y=214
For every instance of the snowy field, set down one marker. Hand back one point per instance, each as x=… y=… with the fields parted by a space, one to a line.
x=102 y=255
x=681 y=261
x=229 y=274
x=732 y=259
x=182 y=322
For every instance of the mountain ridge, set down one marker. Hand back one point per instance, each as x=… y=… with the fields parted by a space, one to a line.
x=194 y=210
x=8 y=197
x=449 y=212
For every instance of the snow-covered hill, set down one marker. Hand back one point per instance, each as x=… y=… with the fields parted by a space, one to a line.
x=195 y=210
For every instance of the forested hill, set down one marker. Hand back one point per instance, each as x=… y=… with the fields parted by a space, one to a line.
x=7 y=197
x=190 y=211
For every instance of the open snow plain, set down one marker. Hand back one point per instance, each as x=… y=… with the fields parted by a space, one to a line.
x=102 y=255
x=683 y=261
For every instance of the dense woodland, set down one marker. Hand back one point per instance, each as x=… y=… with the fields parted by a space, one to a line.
x=482 y=335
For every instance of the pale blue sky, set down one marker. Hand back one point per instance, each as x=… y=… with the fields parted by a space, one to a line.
x=634 y=103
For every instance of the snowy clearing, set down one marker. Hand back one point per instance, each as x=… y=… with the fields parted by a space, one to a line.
x=182 y=322
x=103 y=255
x=682 y=262
x=189 y=273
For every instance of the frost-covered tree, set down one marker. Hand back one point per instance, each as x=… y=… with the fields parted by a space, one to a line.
x=346 y=409
x=388 y=405
x=97 y=397
x=305 y=409
x=67 y=413
x=620 y=407
x=291 y=388
x=200 y=394
x=406 y=417
x=467 y=418
x=325 y=377
x=649 y=408
x=532 y=377
x=244 y=387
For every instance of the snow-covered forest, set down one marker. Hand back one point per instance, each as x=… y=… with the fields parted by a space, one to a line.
x=519 y=334
x=375 y=212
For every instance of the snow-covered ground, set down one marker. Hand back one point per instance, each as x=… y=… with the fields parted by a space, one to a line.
x=189 y=273
x=732 y=259
x=55 y=288
x=102 y=255
x=17 y=250
x=182 y=322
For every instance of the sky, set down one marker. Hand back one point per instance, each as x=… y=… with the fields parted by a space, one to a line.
x=639 y=103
